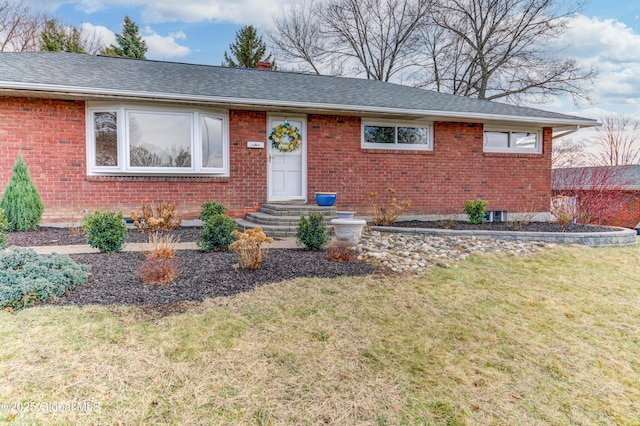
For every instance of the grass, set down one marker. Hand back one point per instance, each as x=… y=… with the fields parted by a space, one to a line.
x=553 y=339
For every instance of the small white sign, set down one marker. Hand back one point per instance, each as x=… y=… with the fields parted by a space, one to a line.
x=251 y=144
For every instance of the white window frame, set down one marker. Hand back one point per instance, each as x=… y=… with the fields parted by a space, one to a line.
x=395 y=146
x=124 y=169
x=511 y=130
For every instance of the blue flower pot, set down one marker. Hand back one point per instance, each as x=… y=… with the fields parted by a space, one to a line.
x=326 y=199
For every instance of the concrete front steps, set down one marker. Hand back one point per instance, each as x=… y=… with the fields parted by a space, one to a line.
x=281 y=220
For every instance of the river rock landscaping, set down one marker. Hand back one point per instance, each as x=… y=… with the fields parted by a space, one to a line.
x=416 y=253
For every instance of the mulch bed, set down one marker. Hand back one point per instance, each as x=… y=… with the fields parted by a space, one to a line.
x=49 y=236
x=114 y=277
x=500 y=226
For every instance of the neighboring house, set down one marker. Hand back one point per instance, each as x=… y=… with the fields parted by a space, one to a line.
x=112 y=133
x=608 y=195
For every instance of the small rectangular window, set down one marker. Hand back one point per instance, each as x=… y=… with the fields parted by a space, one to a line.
x=105 y=126
x=413 y=135
x=496 y=139
x=379 y=134
x=512 y=141
x=392 y=135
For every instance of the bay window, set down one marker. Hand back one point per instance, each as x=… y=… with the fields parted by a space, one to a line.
x=134 y=140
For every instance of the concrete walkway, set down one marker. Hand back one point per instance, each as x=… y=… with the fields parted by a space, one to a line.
x=286 y=243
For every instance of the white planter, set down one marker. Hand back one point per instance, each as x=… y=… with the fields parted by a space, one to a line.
x=348 y=230
x=345 y=215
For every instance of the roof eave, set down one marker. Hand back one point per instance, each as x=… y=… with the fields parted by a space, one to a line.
x=80 y=92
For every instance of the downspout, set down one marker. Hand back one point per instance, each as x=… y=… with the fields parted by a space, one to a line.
x=565 y=133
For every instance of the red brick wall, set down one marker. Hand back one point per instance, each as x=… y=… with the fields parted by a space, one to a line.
x=50 y=134
x=436 y=182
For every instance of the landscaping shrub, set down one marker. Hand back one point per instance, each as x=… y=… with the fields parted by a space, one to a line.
x=158 y=217
x=4 y=227
x=341 y=251
x=21 y=201
x=312 y=232
x=26 y=277
x=563 y=208
x=248 y=247
x=211 y=208
x=217 y=233
x=105 y=231
x=388 y=214
x=160 y=265
x=476 y=210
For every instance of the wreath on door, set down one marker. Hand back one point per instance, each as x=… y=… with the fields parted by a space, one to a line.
x=285 y=137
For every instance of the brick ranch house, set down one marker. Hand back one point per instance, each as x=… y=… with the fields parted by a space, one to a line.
x=113 y=133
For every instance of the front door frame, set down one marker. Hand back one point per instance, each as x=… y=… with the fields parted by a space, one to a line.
x=303 y=158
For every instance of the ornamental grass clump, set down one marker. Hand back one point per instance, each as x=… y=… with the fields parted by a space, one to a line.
x=105 y=231
x=27 y=278
x=157 y=217
x=312 y=232
x=476 y=210
x=248 y=247
x=160 y=265
x=21 y=201
x=387 y=214
x=217 y=233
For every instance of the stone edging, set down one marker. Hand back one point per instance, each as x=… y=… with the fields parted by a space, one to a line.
x=618 y=237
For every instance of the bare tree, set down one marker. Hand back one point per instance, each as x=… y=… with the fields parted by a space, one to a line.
x=568 y=152
x=499 y=49
x=297 y=37
x=377 y=38
x=617 y=141
x=20 y=27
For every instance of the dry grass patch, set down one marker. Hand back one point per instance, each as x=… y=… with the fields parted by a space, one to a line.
x=494 y=340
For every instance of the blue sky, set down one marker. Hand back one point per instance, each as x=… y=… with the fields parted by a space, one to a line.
x=605 y=34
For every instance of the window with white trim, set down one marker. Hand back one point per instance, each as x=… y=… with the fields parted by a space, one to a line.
x=138 y=140
x=512 y=140
x=396 y=135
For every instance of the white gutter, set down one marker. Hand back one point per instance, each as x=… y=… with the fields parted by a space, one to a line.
x=79 y=91
x=565 y=133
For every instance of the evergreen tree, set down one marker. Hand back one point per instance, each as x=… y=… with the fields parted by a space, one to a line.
x=21 y=201
x=247 y=50
x=130 y=43
x=57 y=38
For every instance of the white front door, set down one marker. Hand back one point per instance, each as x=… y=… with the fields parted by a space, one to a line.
x=287 y=169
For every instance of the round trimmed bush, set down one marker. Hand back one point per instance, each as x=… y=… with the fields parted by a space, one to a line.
x=312 y=232
x=105 y=231
x=211 y=208
x=217 y=233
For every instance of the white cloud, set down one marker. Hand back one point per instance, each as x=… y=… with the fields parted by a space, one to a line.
x=257 y=12
x=164 y=47
x=160 y=47
x=614 y=49
x=106 y=36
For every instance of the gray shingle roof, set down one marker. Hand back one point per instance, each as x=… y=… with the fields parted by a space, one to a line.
x=601 y=177
x=85 y=74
